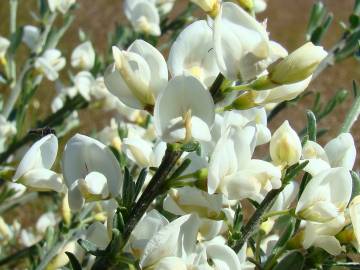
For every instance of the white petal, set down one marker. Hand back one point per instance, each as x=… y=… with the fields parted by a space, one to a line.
x=341 y=151
x=83 y=155
x=97 y=234
x=155 y=60
x=41 y=154
x=223 y=257
x=182 y=94
x=192 y=53
x=42 y=180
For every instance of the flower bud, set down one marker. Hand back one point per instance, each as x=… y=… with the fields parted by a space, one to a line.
x=297 y=66
x=4 y=45
x=65 y=210
x=285 y=146
x=209 y=6
x=248 y=5
x=354 y=210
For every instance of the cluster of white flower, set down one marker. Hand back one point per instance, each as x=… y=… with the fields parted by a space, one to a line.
x=195 y=135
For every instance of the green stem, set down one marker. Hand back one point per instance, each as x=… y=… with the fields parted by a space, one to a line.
x=270 y=264
x=13 y=13
x=18 y=201
x=19 y=255
x=52 y=120
x=278 y=213
x=215 y=89
x=327 y=62
x=16 y=89
x=353 y=114
x=255 y=219
x=152 y=190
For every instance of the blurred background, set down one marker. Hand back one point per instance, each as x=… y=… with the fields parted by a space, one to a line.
x=286 y=20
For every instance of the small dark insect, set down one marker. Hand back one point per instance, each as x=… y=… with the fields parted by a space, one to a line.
x=210 y=50
x=42 y=131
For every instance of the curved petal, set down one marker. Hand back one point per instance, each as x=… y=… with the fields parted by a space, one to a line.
x=42 y=180
x=223 y=257
x=182 y=95
x=155 y=60
x=192 y=53
x=83 y=155
x=241 y=43
x=41 y=154
x=341 y=151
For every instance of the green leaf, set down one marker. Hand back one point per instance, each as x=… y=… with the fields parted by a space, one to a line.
x=118 y=221
x=316 y=16
x=140 y=182
x=285 y=236
x=354 y=112
x=355 y=184
x=75 y=264
x=238 y=218
x=15 y=41
x=294 y=261
x=181 y=169
x=128 y=194
x=91 y=248
x=190 y=147
x=311 y=125
x=320 y=31
x=116 y=242
x=294 y=170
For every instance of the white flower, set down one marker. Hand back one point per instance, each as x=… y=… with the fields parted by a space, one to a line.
x=34 y=168
x=83 y=81
x=110 y=135
x=233 y=172
x=150 y=223
x=62 y=259
x=143 y=152
x=7 y=130
x=165 y=242
x=297 y=66
x=143 y=16
x=286 y=197
x=209 y=6
x=354 y=210
x=223 y=257
x=259 y=117
x=259 y=5
x=83 y=56
x=91 y=171
x=164 y=6
x=187 y=200
x=138 y=75
x=192 y=53
x=241 y=43
x=281 y=93
x=184 y=110
x=4 y=45
x=97 y=234
x=60 y=5
x=325 y=196
x=31 y=35
x=285 y=146
x=50 y=63
x=339 y=152
x=45 y=220
x=323 y=235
